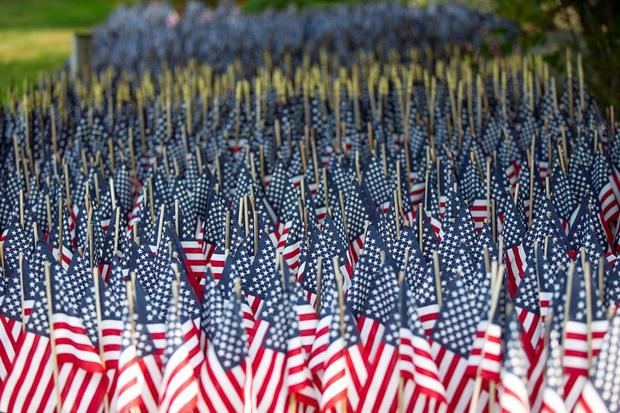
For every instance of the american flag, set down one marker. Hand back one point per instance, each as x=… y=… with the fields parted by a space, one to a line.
x=600 y=176
x=553 y=390
x=367 y=270
x=129 y=379
x=278 y=356
x=237 y=267
x=149 y=359
x=11 y=318
x=261 y=277
x=226 y=373
x=515 y=255
x=513 y=393
x=600 y=394
x=452 y=338
x=179 y=387
x=422 y=386
x=345 y=368
x=72 y=340
x=324 y=244
x=36 y=377
x=375 y=319
x=583 y=333
x=527 y=307
x=382 y=387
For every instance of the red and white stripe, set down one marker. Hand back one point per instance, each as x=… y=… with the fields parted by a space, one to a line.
x=515 y=259
x=553 y=402
x=216 y=263
x=491 y=360
x=10 y=332
x=3 y=235
x=151 y=367
x=298 y=376
x=475 y=352
x=573 y=388
x=371 y=333
x=344 y=378
x=307 y=321
x=479 y=210
x=224 y=390
x=428 y=315
x=280 y=235
x=196 y=258
x=320 y=213
x=536 y=376
x=73 y=344
x=575 y=359
x=269 y=368
x=436 y=226
x=179 y=391
x=158 y=336
x=545 y=303
x=443 y=202
x=533 y=330
x=615 y=183
x=31 y=381
x=111 y=331
x=416 y=193
x=67 y=256
x=73 y=222
x=459 y=386
x=543 y=169
x=292 y=253
x=355 y=250
x=318 y=353
x=417 y=366
x=381 y=391
x=590 y=401
x=609 y=206
x=512 y=173
x=513 y=397
x=129 y=382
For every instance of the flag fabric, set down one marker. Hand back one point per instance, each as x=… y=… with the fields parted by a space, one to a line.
x=513 y=394
x=600 y=392
x=242 y=183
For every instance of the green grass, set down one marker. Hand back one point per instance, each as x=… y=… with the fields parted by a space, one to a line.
x=36 y=35
x=35 y=14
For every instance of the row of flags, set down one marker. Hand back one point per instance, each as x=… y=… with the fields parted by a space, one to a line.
x=337 y=248
x=145 y=37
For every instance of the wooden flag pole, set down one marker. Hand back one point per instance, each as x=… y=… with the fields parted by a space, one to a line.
x=21 y=208
x=60 y=240
x=50 y=318
x=117 y=224
x=89 y=236
x=587 y=269
x=21 y=287
x=106 y=404
x=176 y=216
x=343 y=213
x=255 y=217
x=396 y=214
x=160 y=226
x=437 y=274
x=227 y=235
x=567 y=301
x=319 y=284
x=601 y=276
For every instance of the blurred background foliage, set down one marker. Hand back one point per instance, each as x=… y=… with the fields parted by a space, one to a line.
x=36 y=34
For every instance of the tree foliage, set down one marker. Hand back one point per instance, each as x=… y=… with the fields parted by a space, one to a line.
x=589 y=27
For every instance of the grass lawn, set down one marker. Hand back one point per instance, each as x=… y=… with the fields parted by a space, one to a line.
x=36 y=35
